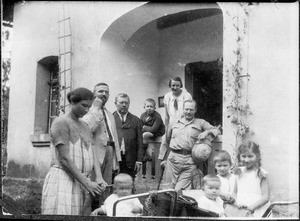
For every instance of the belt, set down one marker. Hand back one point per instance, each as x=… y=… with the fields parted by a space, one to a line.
x=183 y=152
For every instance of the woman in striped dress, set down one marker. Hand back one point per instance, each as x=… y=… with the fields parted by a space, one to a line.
x=67 y=187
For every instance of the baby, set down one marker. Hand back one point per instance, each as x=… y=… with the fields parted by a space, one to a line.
x=211 y=200
x=123 y=184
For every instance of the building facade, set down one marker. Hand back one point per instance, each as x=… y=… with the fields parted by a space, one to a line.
x=247 y=51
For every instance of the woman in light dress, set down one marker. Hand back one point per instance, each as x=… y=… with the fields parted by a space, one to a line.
x=67 y=187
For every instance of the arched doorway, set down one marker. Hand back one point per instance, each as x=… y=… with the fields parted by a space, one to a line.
x=154 y=42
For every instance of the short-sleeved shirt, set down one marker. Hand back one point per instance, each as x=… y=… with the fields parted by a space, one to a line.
x=65 y=130
x=169 y=104
x=184 y=135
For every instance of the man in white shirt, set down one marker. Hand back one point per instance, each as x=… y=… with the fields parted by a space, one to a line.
x=105 y=138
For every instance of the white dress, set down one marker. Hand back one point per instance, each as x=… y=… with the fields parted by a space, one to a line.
x=169 y=104
x=249 y=191
x=227 y=184
x=62 y=194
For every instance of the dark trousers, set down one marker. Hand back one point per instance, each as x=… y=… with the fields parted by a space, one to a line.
x=144 y=166
x=125 y=169
x=107 y=174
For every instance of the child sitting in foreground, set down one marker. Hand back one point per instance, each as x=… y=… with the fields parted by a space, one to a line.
x=211 y=200
x=222 y=163
x=123 y=187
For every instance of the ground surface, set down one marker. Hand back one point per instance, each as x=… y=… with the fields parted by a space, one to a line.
x=25 y=194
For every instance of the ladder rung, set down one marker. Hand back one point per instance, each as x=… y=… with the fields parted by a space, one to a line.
x=63 y=20
x=68 y=52
x=65 y=70
x=64 y=36
x=65 y=88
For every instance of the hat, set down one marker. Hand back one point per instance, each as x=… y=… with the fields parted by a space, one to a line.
x=201 y=152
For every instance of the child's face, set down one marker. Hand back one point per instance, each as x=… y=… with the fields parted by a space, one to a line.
x=222 y=168
x=123 y=189
x=149 y=107
x=248 y=159
x=212 y=189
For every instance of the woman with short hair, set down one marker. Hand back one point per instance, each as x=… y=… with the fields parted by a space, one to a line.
x=67 y=187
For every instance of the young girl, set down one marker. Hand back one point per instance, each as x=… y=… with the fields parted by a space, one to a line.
x=252 y=189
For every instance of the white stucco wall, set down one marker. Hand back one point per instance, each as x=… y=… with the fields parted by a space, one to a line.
x=89 y=21
x=35 y=37
x=271 y=59
x=273 y=93
x=32 y=41
x=132 y=68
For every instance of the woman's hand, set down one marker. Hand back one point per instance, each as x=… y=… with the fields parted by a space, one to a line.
x=93 y=188
x=102 y=183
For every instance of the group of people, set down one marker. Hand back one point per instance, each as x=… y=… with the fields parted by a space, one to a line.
x=94 y=150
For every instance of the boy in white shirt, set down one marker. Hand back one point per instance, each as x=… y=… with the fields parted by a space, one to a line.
x=123 y=187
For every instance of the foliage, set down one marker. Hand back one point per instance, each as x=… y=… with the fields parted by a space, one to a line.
x=237 y=79
x=5 y=73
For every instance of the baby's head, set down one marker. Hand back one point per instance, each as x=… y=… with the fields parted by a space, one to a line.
x=211 y=186
x=123 y=184
x=222 y=162
x=150 y=106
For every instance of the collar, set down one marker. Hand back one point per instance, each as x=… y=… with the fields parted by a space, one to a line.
x=120 y=115
x=104 y=109
x=178 y=98
x=182 y=121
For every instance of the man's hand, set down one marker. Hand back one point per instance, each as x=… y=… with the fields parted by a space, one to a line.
x=163 y=164
x=203 y=135
x=138 y=166
x=97 y=103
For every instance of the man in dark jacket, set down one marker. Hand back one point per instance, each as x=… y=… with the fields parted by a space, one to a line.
x=129 y=130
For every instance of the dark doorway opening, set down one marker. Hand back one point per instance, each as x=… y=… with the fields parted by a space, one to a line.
x=204 y=80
